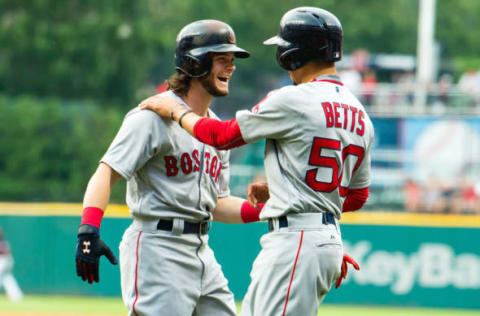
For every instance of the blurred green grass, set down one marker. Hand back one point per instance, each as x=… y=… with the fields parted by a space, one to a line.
x=105 y=306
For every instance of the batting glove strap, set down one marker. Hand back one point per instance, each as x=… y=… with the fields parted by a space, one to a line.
x=87 y=229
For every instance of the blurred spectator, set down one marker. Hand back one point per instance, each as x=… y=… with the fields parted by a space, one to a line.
x=369 y=86
x=413 y=196
x=444 y=87
x=476 y=190
x=396 y=93
x=404 y=87
x=408 y=85
x=467 y=199
x=7 y=281
x=469 y=84
x=352 y=80
x=360 y=60
x=440 y=98
x=448 y=194
x=433 y=196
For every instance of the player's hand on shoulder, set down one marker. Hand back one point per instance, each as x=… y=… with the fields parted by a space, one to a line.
x=344 y=269
x=160 y=104
x=89 y=250
x=257 y=193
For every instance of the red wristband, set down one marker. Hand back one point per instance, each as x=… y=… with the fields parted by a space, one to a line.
x=92 y=216
x=249 y=213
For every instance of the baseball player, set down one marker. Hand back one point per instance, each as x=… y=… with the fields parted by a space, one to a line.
x=175 y=186
x=317 y=164
x=7 y=280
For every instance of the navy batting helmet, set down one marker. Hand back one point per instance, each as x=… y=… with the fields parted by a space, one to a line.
x=307 y=34
x=199 y=38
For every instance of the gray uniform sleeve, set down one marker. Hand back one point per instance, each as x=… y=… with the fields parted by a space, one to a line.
x=272 y=118
x=140 y=137
x=361 y=177
x=224 y=178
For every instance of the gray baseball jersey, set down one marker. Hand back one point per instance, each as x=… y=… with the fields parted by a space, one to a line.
x=170 y=175
x=318 y=144
x=318 y=139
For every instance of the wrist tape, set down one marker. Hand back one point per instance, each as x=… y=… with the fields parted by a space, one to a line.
x=249 y=213
x=92 y=216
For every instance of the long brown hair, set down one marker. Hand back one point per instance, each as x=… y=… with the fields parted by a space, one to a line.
x=179 y=83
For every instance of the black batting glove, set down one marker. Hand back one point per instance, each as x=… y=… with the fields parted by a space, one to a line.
x=89 y=250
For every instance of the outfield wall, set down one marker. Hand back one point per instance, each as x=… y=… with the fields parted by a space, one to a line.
x=405 y=259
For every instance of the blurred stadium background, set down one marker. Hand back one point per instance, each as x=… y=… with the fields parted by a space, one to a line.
x=70 y=70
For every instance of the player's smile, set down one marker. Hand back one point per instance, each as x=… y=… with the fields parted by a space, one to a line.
x=223 y=78
x=222 y=82
x=222 y=70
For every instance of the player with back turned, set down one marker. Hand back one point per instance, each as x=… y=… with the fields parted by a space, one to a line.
x=175 y=186
x=317 y=164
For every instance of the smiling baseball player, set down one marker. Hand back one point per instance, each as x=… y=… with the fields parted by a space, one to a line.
x=317 y=164
x=176 y=185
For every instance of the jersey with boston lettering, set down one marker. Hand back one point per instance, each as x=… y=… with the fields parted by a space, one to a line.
x=168 y=172
x=318 y=139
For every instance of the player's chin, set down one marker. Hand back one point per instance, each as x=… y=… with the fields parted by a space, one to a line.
x=222 y=88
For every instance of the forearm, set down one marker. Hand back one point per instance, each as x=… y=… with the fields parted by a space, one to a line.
x=228 y=210
x=188 y=120
x=235 y=210
x=89 y=245
x=219 y=134
x=99 y=187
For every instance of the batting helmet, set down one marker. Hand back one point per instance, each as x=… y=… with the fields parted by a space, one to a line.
x=307 y=34
x=199 y=38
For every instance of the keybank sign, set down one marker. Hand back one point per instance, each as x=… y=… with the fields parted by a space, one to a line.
x=434 y=265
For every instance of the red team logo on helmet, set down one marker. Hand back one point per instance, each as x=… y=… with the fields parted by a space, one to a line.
x=231 y=38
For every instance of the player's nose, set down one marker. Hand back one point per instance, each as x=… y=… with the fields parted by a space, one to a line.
x=231 y=67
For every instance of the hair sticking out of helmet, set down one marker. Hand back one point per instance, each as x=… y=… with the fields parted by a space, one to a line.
x=196 y=40
x=307 y=34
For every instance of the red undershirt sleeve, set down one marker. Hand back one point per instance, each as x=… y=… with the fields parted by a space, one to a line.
x=355 y=199
x=219 y=134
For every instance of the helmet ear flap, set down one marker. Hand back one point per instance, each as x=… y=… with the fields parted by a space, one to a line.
x=334 y=50
x=296 y=57
x=287 y=59
x=195 y=66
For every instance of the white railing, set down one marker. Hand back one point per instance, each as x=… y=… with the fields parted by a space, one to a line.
x=398 y=100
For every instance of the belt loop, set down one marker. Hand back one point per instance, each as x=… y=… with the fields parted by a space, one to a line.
x=337 y=226
x=276 y=225
x=177 y=228
x=208 y=226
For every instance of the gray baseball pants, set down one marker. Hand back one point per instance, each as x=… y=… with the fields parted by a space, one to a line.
x=170 y=273
x=295 y=268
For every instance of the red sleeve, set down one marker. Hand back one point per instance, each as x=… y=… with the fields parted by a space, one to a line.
x=219 y=134
x=355 y=199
